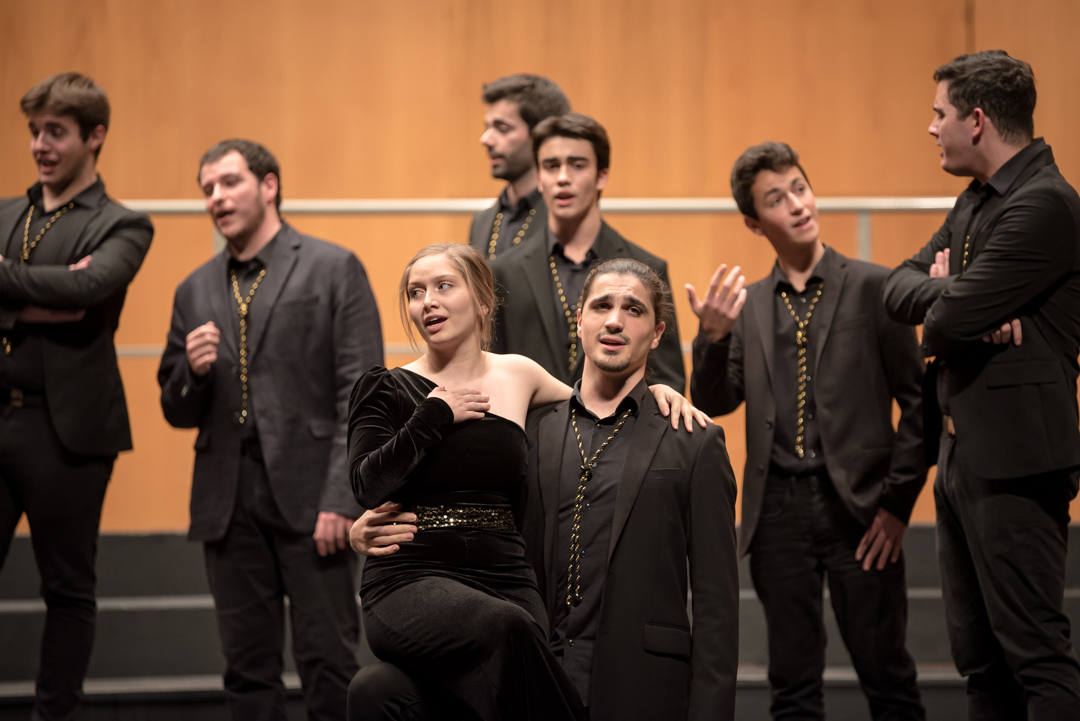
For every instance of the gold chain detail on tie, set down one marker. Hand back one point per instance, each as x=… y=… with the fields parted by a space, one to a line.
x=28 y=249
x=573 y=577
x=496 y=228
x=568 y=311
x=243 y=305
x=801 y=324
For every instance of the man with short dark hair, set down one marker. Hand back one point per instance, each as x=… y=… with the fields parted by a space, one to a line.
x=829 y=484
x=539 y=285
x=514 y=105
x=267 y=339
x=997 y=290
x=623 y=515
x=69 y=252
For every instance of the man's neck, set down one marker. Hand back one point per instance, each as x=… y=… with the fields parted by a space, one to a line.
x=602 y=391
x=798 y=264
x=52 y=197
x=521 y=187
x=576 y=236
x=244 y=249
x=994 y=157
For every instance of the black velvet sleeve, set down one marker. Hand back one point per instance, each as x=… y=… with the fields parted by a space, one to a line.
x=389 y=430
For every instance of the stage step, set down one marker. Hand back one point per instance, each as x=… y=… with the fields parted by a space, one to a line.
x=157 y=654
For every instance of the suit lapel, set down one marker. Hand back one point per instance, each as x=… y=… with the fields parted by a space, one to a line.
x=644 y=438
x=222 y=305
x=609 y=244
x=824 y=322
x=550 y=436
x=277 y=275
x=538 y=276
x=13 y=214
x=764 y=316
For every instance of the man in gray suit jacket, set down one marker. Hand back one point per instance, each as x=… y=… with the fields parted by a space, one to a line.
x=69 y=252
x=267 y=339
x=515 y=104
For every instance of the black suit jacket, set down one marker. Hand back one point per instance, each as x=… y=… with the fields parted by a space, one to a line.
x=1014 y=407
x=526 y=321
x=864 y=360
x=83 y=391
x=314 y=330
x=674 y=511
x=480 y=229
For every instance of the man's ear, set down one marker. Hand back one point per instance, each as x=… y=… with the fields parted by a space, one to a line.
x=978 y=120
x=269 y=186
x=753 y=225
x=96 y=138
x=659 y=333
x=601 y=179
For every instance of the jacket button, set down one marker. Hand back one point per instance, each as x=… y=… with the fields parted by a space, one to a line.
x=768 y=423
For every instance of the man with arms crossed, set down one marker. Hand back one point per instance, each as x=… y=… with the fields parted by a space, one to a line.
x=514 y=105
x=69 y=252
x=539 y=285
x=997 y=290
x=619 y=506
x=267 y=339
x=829 y=484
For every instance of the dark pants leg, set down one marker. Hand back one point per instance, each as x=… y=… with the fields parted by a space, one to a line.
x=871 y=614
x=1002 y=545
x=383 y=692
x=250 y=571
x=325 y=621
x=61 y=494
x=789 y=580
x=803 y=536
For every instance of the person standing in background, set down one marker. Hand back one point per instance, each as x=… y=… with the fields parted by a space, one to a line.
x=266 y=341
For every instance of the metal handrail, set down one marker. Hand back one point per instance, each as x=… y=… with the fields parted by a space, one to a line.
x=862 y=207
x=427 y=206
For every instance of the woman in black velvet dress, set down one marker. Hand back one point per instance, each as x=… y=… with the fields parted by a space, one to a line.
x=458 y=607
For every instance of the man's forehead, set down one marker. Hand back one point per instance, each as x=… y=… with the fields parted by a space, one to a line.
x=622 y=286
x=45 y=118
x=230 y=162
x=561 y=146
x=504 y=109
x=767 y=181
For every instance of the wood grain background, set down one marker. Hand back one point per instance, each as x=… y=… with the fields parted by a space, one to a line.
x=369 y=99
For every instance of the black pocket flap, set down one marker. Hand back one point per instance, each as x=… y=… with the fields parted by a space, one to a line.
x=666 y=640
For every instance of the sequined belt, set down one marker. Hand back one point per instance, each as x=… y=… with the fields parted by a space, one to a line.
x=493 y=518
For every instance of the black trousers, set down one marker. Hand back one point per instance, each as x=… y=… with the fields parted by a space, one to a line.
x=1002 y=545
x=804 y=537
x=251 y=570
x=61 y=494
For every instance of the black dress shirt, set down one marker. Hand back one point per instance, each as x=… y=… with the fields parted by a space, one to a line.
x=575 y=627
x=246 y=273
x=23 y=368
x=513 y=218
x=572 y=276
x=784 y=457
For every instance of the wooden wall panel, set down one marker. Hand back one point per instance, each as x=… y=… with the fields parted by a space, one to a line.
x=366 y=99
